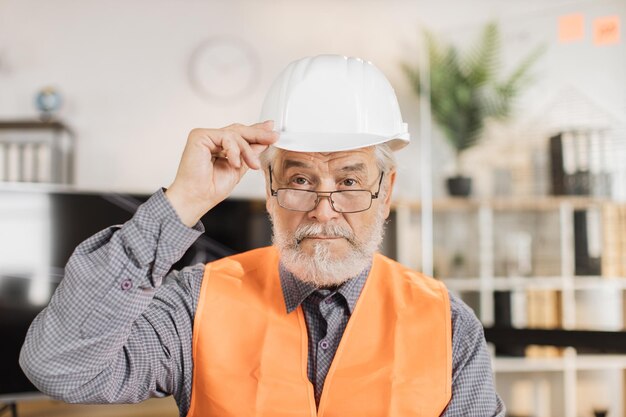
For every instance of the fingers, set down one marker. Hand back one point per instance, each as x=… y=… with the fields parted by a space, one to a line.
x=260 y=133
x=240 y=142
x=241 y=150
x=249 y=156
x=267 y=125
x=237 y=149
x=231 y=149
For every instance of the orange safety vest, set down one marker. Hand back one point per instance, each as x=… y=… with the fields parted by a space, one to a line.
x=250 y=356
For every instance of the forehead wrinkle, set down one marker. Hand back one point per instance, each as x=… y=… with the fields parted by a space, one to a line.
x=324 y=163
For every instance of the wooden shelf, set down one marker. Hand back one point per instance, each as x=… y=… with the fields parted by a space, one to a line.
x=33 y=124
x=578 y=363
x=600 y=362
x=556 y=283
x=528 y=364
x=533 y=203
x=154 y=407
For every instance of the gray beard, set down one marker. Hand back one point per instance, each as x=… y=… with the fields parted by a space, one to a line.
x=324 y=268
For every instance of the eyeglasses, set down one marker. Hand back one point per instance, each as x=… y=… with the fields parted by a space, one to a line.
x=342 y=201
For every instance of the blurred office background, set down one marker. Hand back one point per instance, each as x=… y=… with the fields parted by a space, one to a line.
x=97 y=99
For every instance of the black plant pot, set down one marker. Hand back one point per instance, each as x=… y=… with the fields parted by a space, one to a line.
x=459 y=186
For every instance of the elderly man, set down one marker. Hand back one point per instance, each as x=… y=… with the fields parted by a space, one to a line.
x=317 y=324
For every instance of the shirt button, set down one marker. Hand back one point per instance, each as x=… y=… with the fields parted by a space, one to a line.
x=324 y=344
x=329 y=300
x=127 y=284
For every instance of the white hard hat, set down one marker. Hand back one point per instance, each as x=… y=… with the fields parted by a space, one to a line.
x=331 y=103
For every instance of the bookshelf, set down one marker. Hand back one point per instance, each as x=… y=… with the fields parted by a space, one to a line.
x=33 y=150
x=551 y=381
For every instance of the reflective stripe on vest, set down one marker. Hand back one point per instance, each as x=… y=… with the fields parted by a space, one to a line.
x=250 y=356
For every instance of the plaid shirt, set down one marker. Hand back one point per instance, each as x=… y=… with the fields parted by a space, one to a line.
x=118 y=330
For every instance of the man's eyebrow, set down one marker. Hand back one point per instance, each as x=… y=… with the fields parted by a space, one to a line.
x=292 y=163
x=358 y=167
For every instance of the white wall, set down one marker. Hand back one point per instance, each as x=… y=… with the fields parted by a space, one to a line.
x=122 y=66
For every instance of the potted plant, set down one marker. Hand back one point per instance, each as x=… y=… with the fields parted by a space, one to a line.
x=467 y=89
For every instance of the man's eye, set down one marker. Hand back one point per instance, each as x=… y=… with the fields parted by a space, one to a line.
x=349 y=182
x=300 y=181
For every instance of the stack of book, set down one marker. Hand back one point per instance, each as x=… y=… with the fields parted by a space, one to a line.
x=543 y=312
x=613 y=240
x=588 y=236
x=579 y=163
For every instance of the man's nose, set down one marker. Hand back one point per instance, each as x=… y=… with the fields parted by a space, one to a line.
x=323 y=211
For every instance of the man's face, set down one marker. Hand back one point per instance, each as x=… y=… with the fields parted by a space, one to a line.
x=322 y=245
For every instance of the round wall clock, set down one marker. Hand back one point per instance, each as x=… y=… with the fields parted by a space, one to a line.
x=224 y=69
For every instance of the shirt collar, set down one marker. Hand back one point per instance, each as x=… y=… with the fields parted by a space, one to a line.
x=296 y=291
x=351 y=289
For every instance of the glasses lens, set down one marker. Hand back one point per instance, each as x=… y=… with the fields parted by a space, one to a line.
x=343 y=201
x=299 y=200
x=352 y=201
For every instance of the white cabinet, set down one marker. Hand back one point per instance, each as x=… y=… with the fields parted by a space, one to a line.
x=526 y=248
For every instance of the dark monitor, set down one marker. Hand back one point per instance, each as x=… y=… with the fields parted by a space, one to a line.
x=39 y=230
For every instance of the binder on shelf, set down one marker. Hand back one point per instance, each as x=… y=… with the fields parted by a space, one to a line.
x=599 y=149
x=612 y=252
x=565 y=153
x=579 y=163
x=507 y=315
x=580 y=178
x=587 y=242
x=544 y=312
x=557 y=169
x=622 y=240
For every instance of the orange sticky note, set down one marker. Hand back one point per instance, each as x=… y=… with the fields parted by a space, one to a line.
x=606 y=30
x=571 y=28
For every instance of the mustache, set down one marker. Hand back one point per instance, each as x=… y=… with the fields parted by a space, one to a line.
x=328 y=230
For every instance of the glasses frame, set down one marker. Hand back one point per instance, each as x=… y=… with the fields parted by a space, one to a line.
x=324 y=194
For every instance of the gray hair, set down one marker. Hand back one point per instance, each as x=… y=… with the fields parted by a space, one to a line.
x=385 y=158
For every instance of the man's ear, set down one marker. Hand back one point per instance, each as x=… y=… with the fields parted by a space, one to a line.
x=391 y=180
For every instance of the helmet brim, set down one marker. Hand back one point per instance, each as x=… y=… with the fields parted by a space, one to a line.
x=336 y=142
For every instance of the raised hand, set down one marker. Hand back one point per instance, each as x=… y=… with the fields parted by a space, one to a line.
x=213 y=162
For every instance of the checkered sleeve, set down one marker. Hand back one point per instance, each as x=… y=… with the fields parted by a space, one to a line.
x=473 y=391
x=112 y=332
